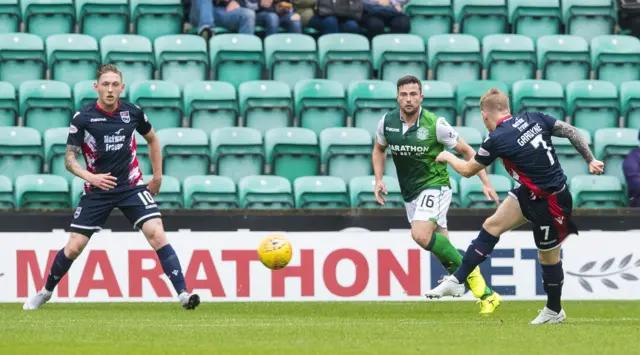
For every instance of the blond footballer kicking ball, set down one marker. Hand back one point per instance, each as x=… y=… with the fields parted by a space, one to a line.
x=275 y=252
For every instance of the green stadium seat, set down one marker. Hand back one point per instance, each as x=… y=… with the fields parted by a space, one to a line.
x=22 y=58
x=99 y=18
x=43 y=18
x=45 y=104
x=265 y=104
x=265 y=192
x=396 y=55
x=629 y=103
x=429 y=17
x=616 y=58
x=539 y=95
x=320 y=192
x=237 y=152
x=236 y=58
x=345 y=57
x=77 y=190
x=209 y=192
x=155 y=18
x=72 y=58
x=473 y=137
x=292 y=152
x=160 y=101
x=509 y=58
x=170 y=195
x=481 y=17
x=588 y=18
x=346 y=152
x=369 y=100
x=8 y=105
x=535 y=18
x=597 y=191
x=455 y=193
x=55 y=147
x=320 y=104
x=361 y=192
x=471 y=195
x=42 y=191
x=142 y=153
x=593 y=104
x=290 y=57
x=185 y=152
x=454 y=58
x=210 y=104
x=612 y=145
x=20 y=151
x=10 y=16
x=563 y=58
x=572 y=162
x=181 y=59
x=131 y=53
x=468 y=95
x=7 y=200
x=440 y=99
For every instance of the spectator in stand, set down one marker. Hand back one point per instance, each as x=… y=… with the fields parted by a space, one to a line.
x=323 y=24
x=272 y=14
x=226 y=13
x=381 y=13
x=631 y=167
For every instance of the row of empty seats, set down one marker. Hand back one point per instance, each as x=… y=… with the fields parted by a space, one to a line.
x=273 y=192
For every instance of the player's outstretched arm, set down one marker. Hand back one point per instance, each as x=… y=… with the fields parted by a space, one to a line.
x=462 y=167
x=467 y=152
x=155 y=155
x=563 y=129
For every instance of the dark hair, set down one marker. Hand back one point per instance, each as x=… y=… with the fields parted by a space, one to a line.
x=107 y=68
x=409 y=79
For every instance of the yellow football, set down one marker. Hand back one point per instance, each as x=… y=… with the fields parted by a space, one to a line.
x=275 y=252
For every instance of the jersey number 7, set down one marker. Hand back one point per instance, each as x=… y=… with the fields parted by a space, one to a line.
x=537 y=142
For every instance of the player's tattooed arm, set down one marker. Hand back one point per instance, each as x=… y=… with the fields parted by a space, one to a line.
x=71 y=161
x=563 y=129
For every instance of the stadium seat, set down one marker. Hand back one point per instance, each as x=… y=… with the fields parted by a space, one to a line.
x=369 y=100
x=185 y=152
x=72 y=58
x=77 y=190
x=142 y=154
x=320 y=104
x=236 y=58
x=42 y=191
x=45 y=104
x=396 y=55
x=588 y=18
x=292 y=152
x=265 y=192
x=131 y=53
x=55 y=147
x=593 y=104
x=455 y=194
x=429 y=17
x=361 y=192
x=597 y=191
x=468 y=95
x=454 y=58
x=20 y=151
x=155 y=18
x=44 y=18
x=345 y=57
x=10 y=16
x=346 y=152
x=290 y=57
x=160 y=101
x=481 y=17
x=572 y=162
x=440 y=99
x=612 y=145
x=181 y=59
x=535 y=18
x=8 y=105
x=471 y=195
x=563 y=58
x=209 y=192
x=170 y=195
x=265 y=104
x=616 y=58
x=629 y=104
x=320 y=192
x=539 y=95
x=509 y=58
x=237 y=152
x=210 y=104
x=6 y=193
x=98 y=18
x=22 y=58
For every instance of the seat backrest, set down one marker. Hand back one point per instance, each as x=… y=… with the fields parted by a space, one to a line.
x=342 y=46
x=472 y=136
x=507 y=46
x=234 y=45
x=385 y=46
x=629 y=98
x=318 y=93
x=235 y=140
x=471 y=194
x=371 y=94
x=561 y=48
x=591 y=93
x=170 y=195
x=44 y=93
x=42 y=191
x=529 y=94
x=344 y=140
x=7 y=199
x=449 y=47
x=8 y=105
x=468 y=94
x=597 y=191
x=439 y=97
x=70 y=46
x=126 y=47
x=616 y=58
x=320 y=192
x=23 y=48
x=156 y=93
x=292 y=45
x=361 y=192
x=208 y=95
x=183 y=141
x=209 y=191
x=264 y=93
x=180 y=47
x=527 y=8
x=55 y=143
x=290 y=140
x=265 y=190
x=614 y=142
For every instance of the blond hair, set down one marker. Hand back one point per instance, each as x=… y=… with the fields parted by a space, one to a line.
x=107 y=68
x=494 y=100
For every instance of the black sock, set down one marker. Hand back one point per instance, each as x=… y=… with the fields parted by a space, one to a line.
x=553 y=278
x=59 y=268
x=171 y=267
x=478 y=251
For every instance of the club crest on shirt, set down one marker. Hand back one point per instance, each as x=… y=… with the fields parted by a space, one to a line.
x=77 y=213
x=124 y=115
x=422 y=133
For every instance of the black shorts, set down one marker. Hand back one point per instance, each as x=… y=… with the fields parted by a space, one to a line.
x=136 y=203
x=550 y=216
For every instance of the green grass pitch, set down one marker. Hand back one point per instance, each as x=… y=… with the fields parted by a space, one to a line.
x=428 y=327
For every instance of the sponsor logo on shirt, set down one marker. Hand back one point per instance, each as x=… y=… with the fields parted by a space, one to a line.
x=73 y=129
x=101 y=119
x=483 y=152
x=392 y=129
x=422 y=133
x=124 y=116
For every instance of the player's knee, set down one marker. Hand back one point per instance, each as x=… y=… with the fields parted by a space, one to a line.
x=153 y=230
x=75 y=246
x=422 y=236
x=493 y=226
x=549 y=257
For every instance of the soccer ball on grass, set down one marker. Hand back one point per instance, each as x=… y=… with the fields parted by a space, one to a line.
x=275 y=252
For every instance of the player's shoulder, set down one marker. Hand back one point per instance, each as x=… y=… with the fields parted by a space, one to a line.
x=85 y=112
x=131 y=107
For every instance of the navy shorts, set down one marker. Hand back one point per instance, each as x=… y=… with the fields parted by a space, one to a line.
x=136 y=203
x=550 y=216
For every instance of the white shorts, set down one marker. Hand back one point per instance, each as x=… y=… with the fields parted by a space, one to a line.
x=430 y=205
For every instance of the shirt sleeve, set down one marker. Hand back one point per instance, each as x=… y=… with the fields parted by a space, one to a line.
x=76 y=130
x=446 y=134
x=380 y=133
x=144 y=126
x=487 y=152
x=547 y=121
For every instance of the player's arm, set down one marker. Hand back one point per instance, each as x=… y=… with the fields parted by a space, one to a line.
x=379 y=158
x=467 y=152
x=71 y=162
x=155 y=153
x=565 y=130
x=466 y=168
